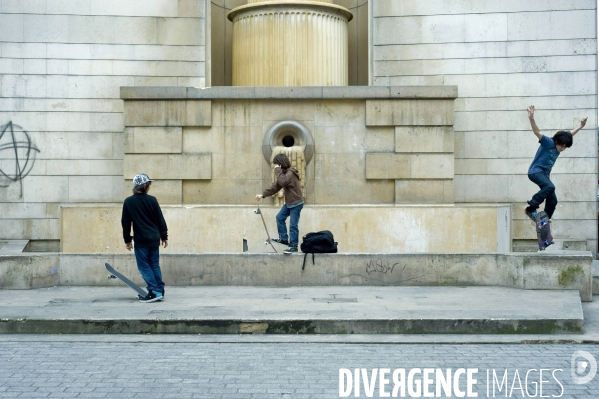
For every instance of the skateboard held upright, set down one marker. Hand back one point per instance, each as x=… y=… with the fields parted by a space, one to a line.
x=543 y=228
x=268 y=240
x=114 y=274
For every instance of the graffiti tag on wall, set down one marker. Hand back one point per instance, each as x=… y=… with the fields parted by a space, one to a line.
x=17 y=155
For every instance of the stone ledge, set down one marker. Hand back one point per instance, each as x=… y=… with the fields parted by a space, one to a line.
x=567 y=270
x=300 y=92
x=13 y=247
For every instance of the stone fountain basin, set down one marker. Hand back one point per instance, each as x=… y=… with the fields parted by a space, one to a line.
x=382 y=229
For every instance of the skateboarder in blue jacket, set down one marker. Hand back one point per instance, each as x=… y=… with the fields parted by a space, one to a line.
x=149 y=230
x=540 y=169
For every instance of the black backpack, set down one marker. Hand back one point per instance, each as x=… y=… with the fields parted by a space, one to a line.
x=321 y=242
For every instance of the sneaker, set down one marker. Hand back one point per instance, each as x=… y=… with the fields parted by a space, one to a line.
x=279 y=241
x=531 y=213
x=290 y=250
x=151 y=297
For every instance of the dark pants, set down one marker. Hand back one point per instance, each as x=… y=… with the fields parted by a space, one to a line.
x=547 y=193
x=147 y=263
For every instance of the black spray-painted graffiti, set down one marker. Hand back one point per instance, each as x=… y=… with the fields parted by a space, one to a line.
x=379 y=266
x=17 y=155
x=397 y=269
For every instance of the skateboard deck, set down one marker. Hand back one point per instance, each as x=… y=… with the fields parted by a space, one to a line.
x=543 y=228
x=115 y=274
x=268 y=241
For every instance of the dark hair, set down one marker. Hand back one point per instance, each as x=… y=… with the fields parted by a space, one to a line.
x=283 y=161
x=141 y=189
x=563 y=137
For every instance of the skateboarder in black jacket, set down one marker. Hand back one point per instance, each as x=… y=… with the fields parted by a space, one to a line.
x=149 y=230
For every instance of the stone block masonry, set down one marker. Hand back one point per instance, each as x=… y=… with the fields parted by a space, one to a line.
x=224 y=129
x=501 y=65
x=61 y=66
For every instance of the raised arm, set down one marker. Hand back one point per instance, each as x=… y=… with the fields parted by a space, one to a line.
x=582 y=123
x=533 y=124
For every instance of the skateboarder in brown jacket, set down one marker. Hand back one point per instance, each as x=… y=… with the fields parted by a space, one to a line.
x=288 y=179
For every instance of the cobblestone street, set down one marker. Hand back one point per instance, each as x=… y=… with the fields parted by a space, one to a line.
x=71 y=369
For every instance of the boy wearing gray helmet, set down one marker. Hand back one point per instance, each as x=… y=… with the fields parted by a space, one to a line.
x=149 y=231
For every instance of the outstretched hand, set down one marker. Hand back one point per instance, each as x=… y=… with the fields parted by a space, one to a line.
x=531 y=112
x=259 y=197
x=583 y=122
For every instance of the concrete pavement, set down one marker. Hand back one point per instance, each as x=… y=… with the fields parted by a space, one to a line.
x=298 y=310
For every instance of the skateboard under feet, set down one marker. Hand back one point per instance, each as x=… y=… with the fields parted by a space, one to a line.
x=543 y=227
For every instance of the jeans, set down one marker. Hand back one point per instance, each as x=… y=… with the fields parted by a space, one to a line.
x=547 y=193
x=282 y=216
x=147 y=263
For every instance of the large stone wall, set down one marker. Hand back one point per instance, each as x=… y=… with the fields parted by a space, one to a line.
x=504 y=56
x=62 y=64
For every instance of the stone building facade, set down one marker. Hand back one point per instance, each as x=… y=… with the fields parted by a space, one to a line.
x=63 y=63
x=503 y=57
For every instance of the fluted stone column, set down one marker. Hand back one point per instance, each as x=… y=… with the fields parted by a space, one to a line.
x=290 y=43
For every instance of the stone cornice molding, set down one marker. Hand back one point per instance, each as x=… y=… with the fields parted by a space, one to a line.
x=266 y=7
x=290 y=92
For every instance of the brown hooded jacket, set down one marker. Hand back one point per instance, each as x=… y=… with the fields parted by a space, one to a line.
x=288 y=180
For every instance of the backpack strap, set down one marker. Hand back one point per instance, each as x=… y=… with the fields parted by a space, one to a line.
x=304 y=264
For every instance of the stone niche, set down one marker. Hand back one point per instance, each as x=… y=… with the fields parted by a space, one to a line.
x=374 y=145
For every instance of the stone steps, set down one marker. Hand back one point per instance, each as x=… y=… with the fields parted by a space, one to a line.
x=558 y=270
x=529 y=245
x=292 y=310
